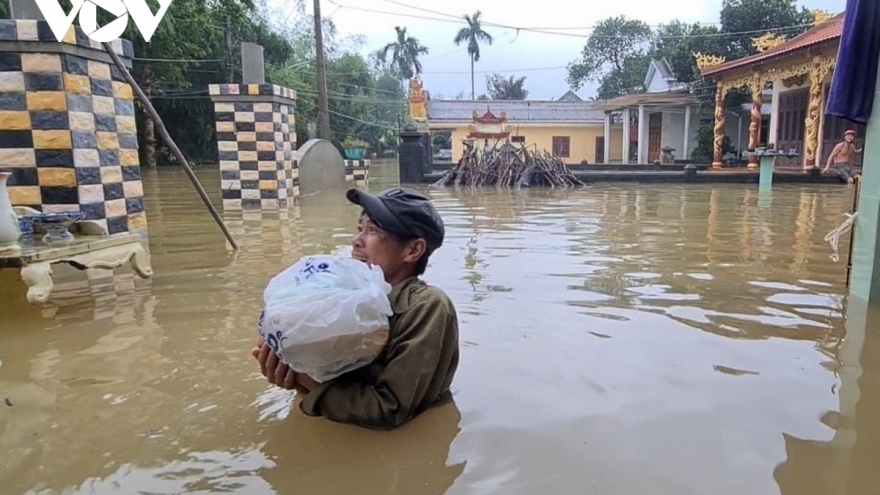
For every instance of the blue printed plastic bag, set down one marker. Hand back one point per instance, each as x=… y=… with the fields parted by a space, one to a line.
x=326 y=315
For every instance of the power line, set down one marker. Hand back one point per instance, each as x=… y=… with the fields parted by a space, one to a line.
x=355 y=119
x=203 y=94
x=461 y=20
x=692 y=36
x=520 y=28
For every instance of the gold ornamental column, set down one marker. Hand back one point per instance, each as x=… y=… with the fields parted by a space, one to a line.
x=819 y=70
x=705 y=61
x=718 y=140
x=757 y=88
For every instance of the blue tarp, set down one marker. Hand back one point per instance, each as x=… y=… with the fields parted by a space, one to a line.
x=853 y=84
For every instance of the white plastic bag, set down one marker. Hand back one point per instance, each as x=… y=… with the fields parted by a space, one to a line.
x=326 y=315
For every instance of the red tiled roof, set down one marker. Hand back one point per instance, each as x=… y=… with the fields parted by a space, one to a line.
x=827 y=31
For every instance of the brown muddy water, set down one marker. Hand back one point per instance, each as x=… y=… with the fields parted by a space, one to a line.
x=623 y=339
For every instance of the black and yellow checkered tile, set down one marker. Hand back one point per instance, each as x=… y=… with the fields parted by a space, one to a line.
x=256 y=141
x=67 y=128
x=357 y=171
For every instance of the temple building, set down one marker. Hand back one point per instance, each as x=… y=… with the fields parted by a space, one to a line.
x=798 y=72
x=572 y=130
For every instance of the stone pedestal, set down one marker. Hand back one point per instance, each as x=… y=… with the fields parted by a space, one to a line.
x=357 y=172
x=256 y=142
x=411 y=159
x=67 y=126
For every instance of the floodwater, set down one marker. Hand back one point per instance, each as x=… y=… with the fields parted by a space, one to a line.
x=622 y=339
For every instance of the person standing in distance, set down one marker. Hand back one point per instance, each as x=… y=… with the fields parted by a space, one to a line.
x=398 y=230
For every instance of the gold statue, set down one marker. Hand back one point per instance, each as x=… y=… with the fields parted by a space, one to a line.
x=768 y=41
x=418 y=106
x=705 y=61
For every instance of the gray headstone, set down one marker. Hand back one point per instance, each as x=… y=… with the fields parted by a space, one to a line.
x=25 y=9
x=321 y=167
x=252 y=69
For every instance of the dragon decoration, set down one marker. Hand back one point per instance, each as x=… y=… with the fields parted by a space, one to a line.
x=705 y=60
x=768 y=41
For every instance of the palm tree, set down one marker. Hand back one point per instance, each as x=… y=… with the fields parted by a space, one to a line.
x=406 y=51
x=473 y=34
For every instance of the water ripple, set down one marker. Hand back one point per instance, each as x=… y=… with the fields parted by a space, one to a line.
x=604 y=331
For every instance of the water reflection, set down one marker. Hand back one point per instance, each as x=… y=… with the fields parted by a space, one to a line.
x=844 y=460
x=605 y=332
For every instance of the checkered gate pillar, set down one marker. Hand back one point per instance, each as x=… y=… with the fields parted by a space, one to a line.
x=256 y=142
x=357 y=171
x=67 y=126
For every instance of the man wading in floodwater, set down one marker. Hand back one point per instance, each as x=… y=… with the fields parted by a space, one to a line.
x=398 y=230
x=842 y=155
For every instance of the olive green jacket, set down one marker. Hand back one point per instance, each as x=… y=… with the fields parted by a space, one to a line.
x=413 y=372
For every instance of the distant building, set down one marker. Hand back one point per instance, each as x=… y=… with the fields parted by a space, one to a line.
x=570 y=96
x=662 y=116
x=797 y=74
x=570 y=128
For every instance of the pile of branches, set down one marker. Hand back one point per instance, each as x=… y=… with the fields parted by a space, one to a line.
x=507 y=166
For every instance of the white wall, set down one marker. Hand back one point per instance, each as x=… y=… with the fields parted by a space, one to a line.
x=672 y=133
x=779 y=88
x=736 y=131
x=657 y=84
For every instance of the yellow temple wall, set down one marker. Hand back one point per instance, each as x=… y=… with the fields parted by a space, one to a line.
x=582 y=138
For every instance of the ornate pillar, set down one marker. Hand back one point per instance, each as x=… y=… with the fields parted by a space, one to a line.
x=256 y=142
x=819 y=69
x=757 y=88
x=718 y=141
x=67 y=126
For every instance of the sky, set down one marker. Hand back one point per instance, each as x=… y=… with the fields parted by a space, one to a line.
x=541 y=57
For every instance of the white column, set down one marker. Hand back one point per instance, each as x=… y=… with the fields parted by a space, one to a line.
x=607 y=157
x=687 y=133
x=643 y=150
x=626 y=118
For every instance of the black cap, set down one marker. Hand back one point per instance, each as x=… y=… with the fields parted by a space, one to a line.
x=403 y=212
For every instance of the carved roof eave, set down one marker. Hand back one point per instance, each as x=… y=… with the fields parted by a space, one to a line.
x=775 y=63
x=490 y=118
x=782 y=63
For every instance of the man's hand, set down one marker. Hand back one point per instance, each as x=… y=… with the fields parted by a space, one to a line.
x=278 y=373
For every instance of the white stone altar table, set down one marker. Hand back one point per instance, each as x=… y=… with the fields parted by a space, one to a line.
x=86 y=251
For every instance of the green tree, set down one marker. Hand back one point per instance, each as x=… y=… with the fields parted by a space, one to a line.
x=677 y=42
x=744 y=20
x=615 y=55
x=405 y=53
x=473 y=34
x=506 y=88
x=198 y=44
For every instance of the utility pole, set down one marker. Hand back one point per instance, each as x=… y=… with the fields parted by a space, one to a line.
x=323 y=105
x=230 y=66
